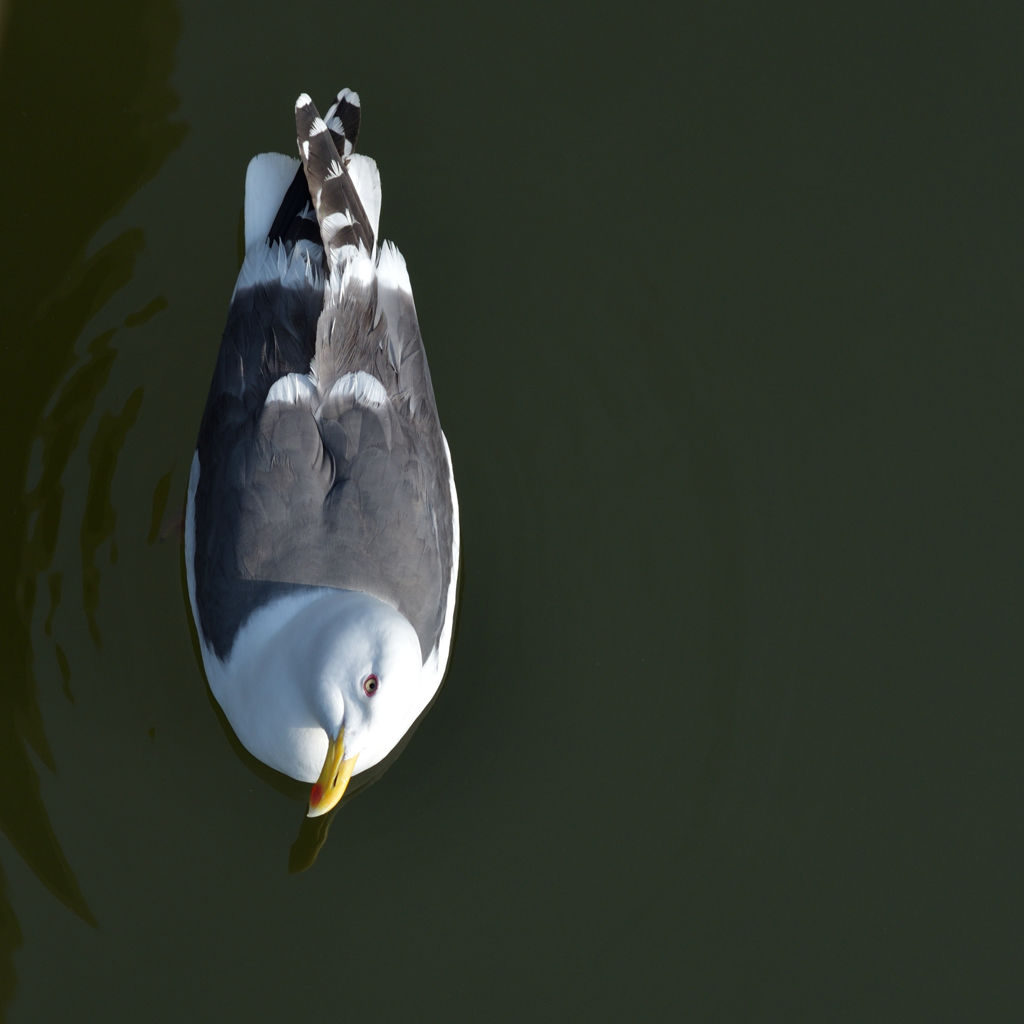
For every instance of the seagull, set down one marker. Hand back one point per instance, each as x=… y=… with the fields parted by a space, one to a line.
x=322 y=521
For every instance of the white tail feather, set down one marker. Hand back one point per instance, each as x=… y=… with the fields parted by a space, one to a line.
x=391 y=269
x=266 y=180
x=366 y=178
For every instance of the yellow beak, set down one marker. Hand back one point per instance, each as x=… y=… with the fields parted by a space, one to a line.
x=330 y=787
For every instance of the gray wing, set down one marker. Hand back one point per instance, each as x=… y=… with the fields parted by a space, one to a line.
x=346 y=483
x=270 y=333
x=321 y=458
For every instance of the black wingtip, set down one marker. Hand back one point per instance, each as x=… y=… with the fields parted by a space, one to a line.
x=295 y=219
x=343 y=119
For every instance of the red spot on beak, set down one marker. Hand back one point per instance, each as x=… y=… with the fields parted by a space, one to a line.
x=316 y=794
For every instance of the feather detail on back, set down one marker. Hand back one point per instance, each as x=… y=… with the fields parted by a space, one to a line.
x=347 y=320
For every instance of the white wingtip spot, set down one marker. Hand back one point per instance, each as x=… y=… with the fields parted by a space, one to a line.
x=303 y=101
x=349 y=96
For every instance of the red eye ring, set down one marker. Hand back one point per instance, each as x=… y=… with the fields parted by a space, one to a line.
x=370 y=685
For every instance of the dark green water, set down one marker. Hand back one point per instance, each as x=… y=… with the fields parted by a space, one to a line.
x=724 y=313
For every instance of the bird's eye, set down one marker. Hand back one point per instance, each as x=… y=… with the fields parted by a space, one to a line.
x=370 y=684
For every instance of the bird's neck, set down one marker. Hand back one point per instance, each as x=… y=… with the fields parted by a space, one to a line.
x=272 y=688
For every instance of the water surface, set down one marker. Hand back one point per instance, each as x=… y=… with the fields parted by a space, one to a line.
x=723 y=315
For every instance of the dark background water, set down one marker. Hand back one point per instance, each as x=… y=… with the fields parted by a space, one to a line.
x=723 y=307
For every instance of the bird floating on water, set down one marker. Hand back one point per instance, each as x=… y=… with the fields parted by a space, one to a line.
x=322 y=524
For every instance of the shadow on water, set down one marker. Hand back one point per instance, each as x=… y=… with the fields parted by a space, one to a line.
x=100 y=518
x=93 y=83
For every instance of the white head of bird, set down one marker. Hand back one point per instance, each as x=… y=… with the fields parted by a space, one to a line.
x=333 y=682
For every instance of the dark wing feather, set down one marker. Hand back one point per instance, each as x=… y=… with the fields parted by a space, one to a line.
x=270 y=333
